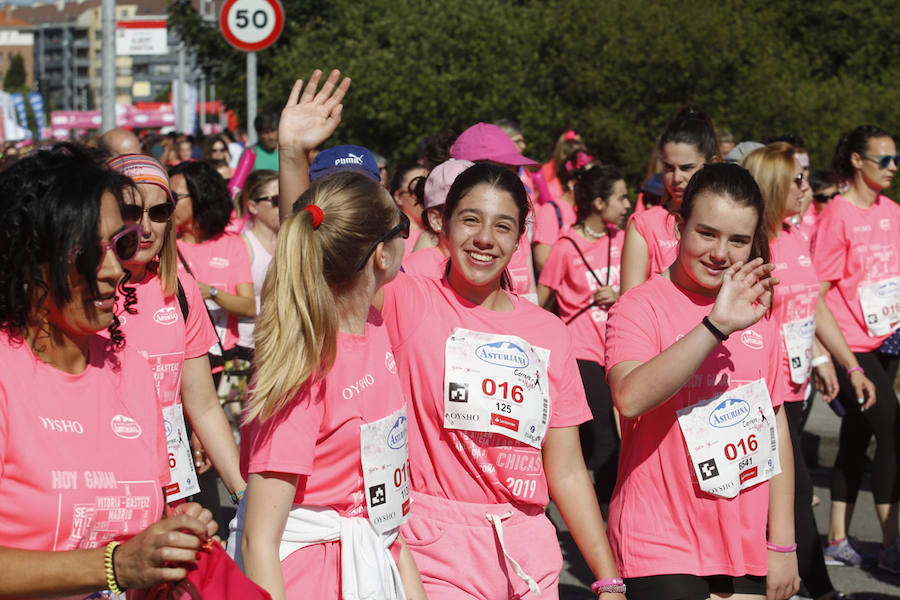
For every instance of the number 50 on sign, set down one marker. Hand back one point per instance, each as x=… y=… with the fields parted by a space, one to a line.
x=251 y=25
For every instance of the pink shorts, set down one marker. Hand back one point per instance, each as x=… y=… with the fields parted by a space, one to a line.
x=458 y=551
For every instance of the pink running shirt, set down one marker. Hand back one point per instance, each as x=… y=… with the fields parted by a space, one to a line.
x=317 y=434
x=427 y=262
x=659 y=520
x=159 y=333
x=855 y=246
x=546 y=226
x=488 y=468
x=796 y=298
x=222 y=262
x=82 y=457
x=566 y=274
x=657 y=226
x=519 y=267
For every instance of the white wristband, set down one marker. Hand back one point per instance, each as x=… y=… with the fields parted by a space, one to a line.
x=819 y=360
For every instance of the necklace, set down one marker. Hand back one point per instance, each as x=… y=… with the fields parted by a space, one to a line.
x=591 y=232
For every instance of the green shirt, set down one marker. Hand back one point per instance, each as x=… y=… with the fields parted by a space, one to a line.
x=265 y=160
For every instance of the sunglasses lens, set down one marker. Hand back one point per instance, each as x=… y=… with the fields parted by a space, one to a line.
x=161 y=212
x=127 y=244
x=132 y=213
x=404 y=227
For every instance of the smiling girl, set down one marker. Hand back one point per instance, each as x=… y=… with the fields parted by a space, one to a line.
x=699 y=473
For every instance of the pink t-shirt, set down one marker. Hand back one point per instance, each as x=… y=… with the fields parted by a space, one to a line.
x=566 y=274
x=82 y=457
x=795 y=298
x=318 y=434
x=410 y=243
x=809 y=221
x=657 y=226
x=421 y=313
x=519 y=267
x=159 y=333
x=546 y=226
x=427 y=262
x=221 y=262
x=855 y=246
x=660 y=522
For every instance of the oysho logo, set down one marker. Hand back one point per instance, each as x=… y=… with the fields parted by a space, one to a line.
x=389 y=363
x=351 y=159
x=217 y=262
x=464 y=417
x=397 y=436
x=125 y=427
x=729 y=412
x=752 y=340
x=167 y=315
x=502 y=354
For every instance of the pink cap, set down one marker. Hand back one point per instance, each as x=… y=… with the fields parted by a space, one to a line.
x=484 y=141
x=441 y=178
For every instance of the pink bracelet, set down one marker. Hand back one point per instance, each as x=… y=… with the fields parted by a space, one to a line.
x=853 y=370
x=612 y=586
x=784 y=549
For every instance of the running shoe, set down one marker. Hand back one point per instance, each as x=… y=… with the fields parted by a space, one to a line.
x=889 y=558
x=843 y=554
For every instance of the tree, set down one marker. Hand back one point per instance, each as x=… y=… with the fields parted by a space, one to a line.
x=14 y=78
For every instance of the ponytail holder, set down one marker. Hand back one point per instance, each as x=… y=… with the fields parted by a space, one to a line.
x=317 y=214
x=570 y=135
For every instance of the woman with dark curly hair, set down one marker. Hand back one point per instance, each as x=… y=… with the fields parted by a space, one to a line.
x=82 y=450
x=217 y=260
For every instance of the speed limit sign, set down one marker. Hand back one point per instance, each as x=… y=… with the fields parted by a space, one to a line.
x=251 y=25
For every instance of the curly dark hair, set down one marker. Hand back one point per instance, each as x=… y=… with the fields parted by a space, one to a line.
x=209 y=196
x=49 y=214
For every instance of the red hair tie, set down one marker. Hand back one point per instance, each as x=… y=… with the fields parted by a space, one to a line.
x=317 y=214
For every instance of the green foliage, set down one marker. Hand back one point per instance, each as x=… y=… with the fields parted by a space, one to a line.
x=615 y=70
x=14 y=78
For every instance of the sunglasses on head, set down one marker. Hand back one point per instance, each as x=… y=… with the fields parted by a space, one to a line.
x=822 y=198
x=124 y=244
x=158 y=213
x=401 y=229
x=884 y=160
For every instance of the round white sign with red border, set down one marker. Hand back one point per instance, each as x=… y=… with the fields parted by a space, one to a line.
x=251 y=25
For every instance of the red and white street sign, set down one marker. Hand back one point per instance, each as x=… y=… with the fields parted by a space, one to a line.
x=251 y=25
x=138 y=36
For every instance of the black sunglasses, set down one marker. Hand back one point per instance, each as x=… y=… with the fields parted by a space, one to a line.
x=822 y=198
x=798 y=179
x=159 y=213
x=273 y=199
x=885 y=160
x=401 y=229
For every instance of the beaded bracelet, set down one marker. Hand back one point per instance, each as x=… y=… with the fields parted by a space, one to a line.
x=611 y=586
x=112 y=583
x=783 y=549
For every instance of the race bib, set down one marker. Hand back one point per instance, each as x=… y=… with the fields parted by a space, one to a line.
x=798 y=340
x=385 y=464
x=732 y=439
x=181 y=465
x=880 y=302
x=498 y=384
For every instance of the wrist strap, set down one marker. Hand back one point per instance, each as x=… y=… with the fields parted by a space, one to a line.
x=714 y=330
x=783 y=549
x=853 y=370
x=112 y=583
x=611 y=586
x=819 y=360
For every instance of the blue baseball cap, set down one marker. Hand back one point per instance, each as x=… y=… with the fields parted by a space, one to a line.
x=345 y=158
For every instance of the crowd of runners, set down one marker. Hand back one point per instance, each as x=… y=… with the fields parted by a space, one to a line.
x=435 y=351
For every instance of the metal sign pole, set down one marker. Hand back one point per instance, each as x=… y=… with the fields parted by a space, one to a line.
x=251 y=98
x=108 y=58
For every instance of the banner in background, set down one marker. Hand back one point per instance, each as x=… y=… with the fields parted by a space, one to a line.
x=18 y=101
x=37 y=107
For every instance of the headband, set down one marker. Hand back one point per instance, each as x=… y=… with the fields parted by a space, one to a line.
x=141 y=168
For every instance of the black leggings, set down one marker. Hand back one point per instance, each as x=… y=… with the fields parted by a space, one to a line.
x=857 y=428
x=599 y=437
x=810 y=558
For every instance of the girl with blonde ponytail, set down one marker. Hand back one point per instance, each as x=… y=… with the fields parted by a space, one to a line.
x=324 y=439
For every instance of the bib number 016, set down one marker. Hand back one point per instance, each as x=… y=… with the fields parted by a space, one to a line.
x=745 y=446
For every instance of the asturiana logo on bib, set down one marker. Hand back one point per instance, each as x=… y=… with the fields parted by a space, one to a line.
x=729 y=412
x=808 y=329
x=397 y=436
x=166 y=315
x=125 y=427
x=887 y=289
x=502 y=354
x=752 y=340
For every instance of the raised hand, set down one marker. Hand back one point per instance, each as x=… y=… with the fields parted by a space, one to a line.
x=310 y=117
x=745 y=296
